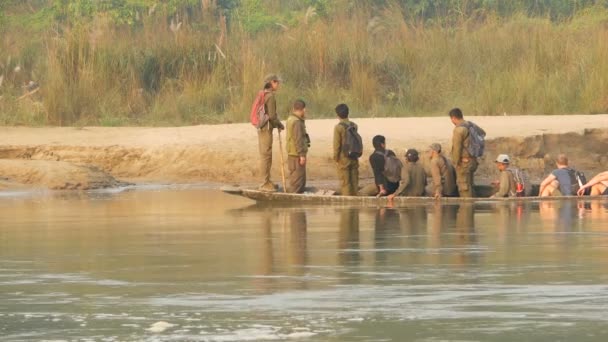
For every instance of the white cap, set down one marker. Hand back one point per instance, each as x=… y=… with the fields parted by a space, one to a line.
x=503 y=158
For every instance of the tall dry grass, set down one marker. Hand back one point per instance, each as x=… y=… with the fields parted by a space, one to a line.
x=380 y=63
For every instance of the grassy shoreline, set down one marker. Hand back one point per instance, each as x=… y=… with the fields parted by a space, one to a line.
x=379 y=61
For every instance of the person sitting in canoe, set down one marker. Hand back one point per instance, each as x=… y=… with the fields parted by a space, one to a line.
x=413 y=177
x=441 y=177
x=508 y=183
x=562 y=181
x=387 y=170
x=598 y=185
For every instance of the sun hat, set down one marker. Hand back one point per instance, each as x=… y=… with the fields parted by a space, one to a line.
x=503 y=158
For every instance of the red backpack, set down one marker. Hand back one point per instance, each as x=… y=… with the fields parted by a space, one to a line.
x=258 y=115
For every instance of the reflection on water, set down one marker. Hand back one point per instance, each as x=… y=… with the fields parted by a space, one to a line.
x=216 y=268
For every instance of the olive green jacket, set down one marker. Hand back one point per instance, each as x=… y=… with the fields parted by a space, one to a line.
x=413 y=180
x=442 y=176
x=460 y=143
x=297 y=143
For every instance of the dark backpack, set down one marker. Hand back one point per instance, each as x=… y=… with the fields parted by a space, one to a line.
x=477 y=143
x=353 y=146
x=392 y=167
x=578 y=179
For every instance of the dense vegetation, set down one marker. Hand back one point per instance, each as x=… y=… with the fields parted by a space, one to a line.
x=153 y=62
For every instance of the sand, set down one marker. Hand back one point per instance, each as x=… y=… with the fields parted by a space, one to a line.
x=228 y=153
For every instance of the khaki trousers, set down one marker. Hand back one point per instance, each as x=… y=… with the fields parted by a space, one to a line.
x=296 y=178
x=348 y=173
x=464 y=177
x=265 y=145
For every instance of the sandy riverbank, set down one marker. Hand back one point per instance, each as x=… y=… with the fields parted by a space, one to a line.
x=228 y=153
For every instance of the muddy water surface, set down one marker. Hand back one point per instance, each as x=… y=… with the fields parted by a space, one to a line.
x=197 y=265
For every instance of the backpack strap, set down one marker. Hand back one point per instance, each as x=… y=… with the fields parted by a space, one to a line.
x=347 y=125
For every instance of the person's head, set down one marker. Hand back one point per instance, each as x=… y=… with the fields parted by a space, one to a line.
x=342 y=111
x=435 y=149
x=411 y=155
x=456 y=116
x=379 y=142
x=272 y=82
x=502 y=162
x=562 y=160
x=299 y=107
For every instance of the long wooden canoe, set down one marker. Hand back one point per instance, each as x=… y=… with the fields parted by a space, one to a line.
x=319 y=198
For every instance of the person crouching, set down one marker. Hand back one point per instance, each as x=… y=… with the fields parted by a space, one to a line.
x=507 y=186
x=413 y=177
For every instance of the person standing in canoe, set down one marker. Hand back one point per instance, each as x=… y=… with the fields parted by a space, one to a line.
x=347 y=150
x=467 y=146
x=265 y=132
x=298 y=143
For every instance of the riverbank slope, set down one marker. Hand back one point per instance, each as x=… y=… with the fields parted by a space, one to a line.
x=228 y=153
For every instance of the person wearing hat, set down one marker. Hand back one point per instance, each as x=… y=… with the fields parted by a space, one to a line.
x=442 y=176
x=413 y=177
x=384 y=184
x=507 y=185
x=265 y=136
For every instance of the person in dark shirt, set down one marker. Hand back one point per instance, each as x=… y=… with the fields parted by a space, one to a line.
x=382 y=186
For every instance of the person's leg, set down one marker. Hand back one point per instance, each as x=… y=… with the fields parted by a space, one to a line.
x=292 y=177
x=302 y=176
x=265 y=144
x=599 y=189
x=343 y=177
x=369 y=190
x=463 y=179
x=550 y=190
x=473 y=164
x=299 y=176
x=354 y=178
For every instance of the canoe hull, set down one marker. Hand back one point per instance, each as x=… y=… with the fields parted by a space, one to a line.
x=285 y=198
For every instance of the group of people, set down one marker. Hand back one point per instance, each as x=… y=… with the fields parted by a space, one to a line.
x=438 y=177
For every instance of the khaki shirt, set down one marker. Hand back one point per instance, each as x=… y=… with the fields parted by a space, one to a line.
x=442 y=176
x=413 y=180
x=508 y=185
x=270 y=105
x=340 y=156
x=297 y=144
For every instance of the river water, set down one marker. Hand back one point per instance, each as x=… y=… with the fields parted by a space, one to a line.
x=198 y=265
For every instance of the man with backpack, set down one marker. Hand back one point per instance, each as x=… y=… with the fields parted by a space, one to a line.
x=264 y=117
x=413 y=177
x=563 y=181
x=441 y=181
x=347 y=149
x=386 y=168
x=467 y=145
